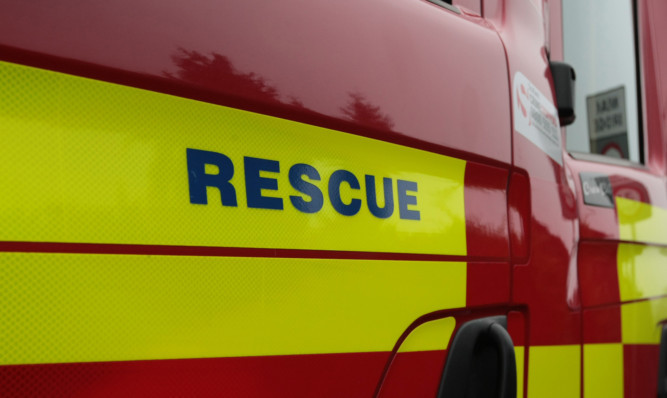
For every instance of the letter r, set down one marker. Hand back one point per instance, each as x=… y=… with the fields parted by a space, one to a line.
x=199 y=180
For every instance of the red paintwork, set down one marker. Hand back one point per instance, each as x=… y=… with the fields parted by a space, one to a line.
x=414 y=374
x=546 y=279
x=516 y=327
x=519 y=216
x=598 y=274
x=602 y=325
x=487 y=284
x=485 y=195
x=139 y=44
x=441 y=82
x=640 y=363
x=332 y=375
x=162 y=250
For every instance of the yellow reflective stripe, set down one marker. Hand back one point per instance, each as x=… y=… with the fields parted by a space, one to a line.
x=641 y=222
x=86 y=307
x=640 y=321
x=554 y=371
x=433 y=335
x=603 y=370
x=642 y=271
x=89 y=161
x=519 y=352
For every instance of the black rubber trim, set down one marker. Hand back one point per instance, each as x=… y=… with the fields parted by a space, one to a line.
x=662 y=365
x=480 y=362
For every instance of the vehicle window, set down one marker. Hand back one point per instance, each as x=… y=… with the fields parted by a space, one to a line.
x=599 y=42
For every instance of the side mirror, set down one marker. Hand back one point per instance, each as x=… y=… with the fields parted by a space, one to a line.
x=564 y=78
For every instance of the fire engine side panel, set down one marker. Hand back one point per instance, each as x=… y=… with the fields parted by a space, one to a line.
x=545 y=279
x=431 y=74
x=172 y=225
x=622 y=246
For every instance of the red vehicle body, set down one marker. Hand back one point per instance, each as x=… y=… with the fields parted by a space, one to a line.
x=113 y=283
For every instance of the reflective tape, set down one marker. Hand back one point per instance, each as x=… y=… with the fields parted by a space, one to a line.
x=519 y=352
x=642 y=271
x=554 y=371
x=86 y=307
x=641 y=222
x=603 y=370
x=95 y=162
x=640 y=321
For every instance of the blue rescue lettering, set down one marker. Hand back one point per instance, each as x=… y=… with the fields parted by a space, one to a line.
x=254 y=183
x=296 y=174
x=404 y=199
x=303 y=178
x=371 y=197
x=336 y=179
x=199 y=180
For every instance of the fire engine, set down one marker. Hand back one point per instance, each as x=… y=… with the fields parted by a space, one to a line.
x=378 y=198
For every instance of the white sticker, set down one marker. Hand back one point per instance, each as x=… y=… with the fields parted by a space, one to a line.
x=536 y=118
